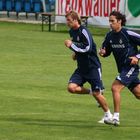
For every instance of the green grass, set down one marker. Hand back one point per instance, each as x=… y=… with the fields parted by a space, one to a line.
x=34 y=104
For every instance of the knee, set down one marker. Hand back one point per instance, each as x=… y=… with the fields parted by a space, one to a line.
x=113 y=89
x=136 y=92
x=71 y=89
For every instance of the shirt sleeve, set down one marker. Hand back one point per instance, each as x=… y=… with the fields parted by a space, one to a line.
x=85 y=44
x=106 y=46
x=134 y=37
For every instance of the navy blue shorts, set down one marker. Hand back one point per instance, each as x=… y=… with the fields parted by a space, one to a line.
x=93 y=78
x=129 y=77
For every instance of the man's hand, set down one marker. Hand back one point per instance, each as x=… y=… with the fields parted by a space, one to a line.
x=134 y=60
x=102 y=51
x=68 y=43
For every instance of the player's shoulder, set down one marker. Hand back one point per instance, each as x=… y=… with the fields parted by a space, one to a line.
x=83 y=28
x=124 y=31
x=130 y=33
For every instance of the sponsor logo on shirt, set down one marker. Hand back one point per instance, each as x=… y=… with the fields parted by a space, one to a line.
x=117 y=46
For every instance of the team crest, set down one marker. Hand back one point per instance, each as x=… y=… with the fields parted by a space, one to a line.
x=110 y=41
x=120 y=41
x=78 y=39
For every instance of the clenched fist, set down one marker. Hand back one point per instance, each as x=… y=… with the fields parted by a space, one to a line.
x=68 y=43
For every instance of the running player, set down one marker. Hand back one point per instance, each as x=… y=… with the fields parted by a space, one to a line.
x=123 y=44
x=88 y=64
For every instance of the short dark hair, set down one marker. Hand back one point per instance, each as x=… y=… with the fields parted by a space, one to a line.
x=74 y=15
x=119 y=16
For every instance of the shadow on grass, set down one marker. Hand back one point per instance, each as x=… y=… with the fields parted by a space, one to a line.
x=50 y=123
x=65 y=123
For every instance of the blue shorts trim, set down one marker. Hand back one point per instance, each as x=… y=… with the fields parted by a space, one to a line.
x=129 y=77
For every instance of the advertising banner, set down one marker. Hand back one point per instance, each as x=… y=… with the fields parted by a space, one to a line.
x=132 y=12
x=98 y=10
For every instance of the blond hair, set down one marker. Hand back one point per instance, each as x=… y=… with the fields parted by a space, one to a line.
x=74 y=15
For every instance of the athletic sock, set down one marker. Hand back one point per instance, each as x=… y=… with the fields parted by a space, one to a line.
x=108 y=113
x=116 y=115
x=90 y=91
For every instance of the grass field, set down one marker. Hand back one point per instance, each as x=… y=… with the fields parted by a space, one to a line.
x=34 y=104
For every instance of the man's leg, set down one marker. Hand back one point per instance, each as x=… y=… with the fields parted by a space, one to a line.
x=117 y=86
x=101 y=100
x=103 y=103
x=136 y=91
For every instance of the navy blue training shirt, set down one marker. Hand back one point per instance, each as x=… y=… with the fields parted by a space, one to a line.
x=123 y=45
x=85 y=49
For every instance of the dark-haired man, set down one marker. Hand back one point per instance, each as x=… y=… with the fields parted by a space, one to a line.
x=123 y=44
